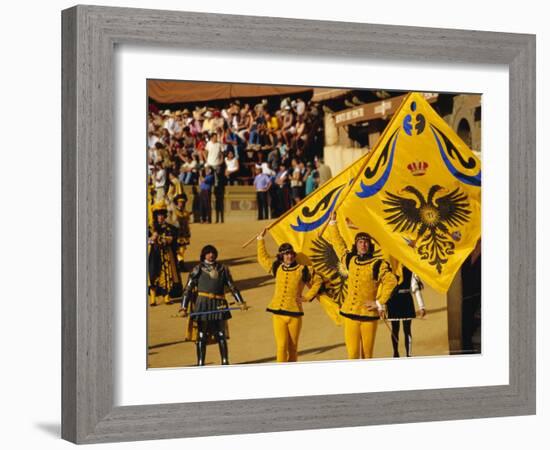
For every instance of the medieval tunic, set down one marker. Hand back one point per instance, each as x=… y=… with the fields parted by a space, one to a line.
x=401 y=305
x=289 y=284
x=163 y=276
x=369 y=279
x=210 y=281
x=180 y=219
x=285 y=306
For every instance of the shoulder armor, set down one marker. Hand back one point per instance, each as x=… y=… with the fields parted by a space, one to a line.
x=196 y=271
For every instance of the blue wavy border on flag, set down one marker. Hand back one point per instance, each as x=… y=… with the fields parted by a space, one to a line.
x=467 y=179
x=369 y=190
x=309 y=226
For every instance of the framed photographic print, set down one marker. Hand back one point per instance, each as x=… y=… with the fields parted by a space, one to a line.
x=262 y=156
x=310 y=226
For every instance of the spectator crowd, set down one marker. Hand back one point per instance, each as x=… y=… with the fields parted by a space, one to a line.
x=274 y=147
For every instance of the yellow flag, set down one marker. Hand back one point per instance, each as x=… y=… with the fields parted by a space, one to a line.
x=302 y=224
x=301 y=227
x=419 y=195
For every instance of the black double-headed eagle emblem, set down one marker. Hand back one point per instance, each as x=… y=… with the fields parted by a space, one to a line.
x=325 y=261
x=432 y=218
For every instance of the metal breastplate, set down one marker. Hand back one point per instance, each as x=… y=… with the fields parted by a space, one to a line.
x=211 y=280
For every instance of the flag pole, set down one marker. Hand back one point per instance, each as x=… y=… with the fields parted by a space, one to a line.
x=364 y=165
x=247 y=243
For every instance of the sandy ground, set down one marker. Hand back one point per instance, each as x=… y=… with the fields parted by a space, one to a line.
x=251 y=337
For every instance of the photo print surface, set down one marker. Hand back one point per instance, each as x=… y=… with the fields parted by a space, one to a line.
x=293 y=223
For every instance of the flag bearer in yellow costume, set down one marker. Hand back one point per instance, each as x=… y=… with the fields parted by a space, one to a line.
x=370 y=285
x=286 y=304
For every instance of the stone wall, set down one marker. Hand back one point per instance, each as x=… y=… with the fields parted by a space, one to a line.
x=339 y=150
x=239 y=202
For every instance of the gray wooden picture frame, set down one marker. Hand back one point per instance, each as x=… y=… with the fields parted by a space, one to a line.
x=89 y=37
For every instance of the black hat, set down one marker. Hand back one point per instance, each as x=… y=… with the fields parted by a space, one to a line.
x=159 y=212
x=363 y=235
x=286 y=248
x=208 y=249
x=283 y=249
x=159 y=208
x=180 y=197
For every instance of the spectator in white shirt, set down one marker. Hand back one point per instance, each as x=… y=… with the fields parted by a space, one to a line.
x=208 y=124
x=152 y=139
x=231 y=167
x=169 y=122
x=267 y=169
x=159 y=180
x=186 y=118
x=214 y=152
x=157 y=152
x=300 y=107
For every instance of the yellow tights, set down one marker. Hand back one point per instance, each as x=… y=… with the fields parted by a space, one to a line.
x=287 y=331
x=359 y=337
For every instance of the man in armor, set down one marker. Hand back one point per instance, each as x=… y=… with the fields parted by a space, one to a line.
x=211 y=310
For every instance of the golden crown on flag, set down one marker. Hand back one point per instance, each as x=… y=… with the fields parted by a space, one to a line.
x=418 y=168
